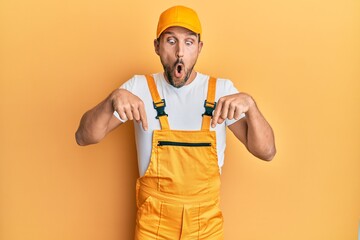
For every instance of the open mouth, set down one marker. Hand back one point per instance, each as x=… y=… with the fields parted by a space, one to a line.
x=179 y=70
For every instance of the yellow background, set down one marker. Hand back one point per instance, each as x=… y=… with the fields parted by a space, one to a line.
x=299 y=59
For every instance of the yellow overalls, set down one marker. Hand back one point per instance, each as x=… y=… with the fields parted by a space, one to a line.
x=178 y=196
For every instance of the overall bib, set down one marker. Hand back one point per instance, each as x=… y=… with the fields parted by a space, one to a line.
x=178 y=196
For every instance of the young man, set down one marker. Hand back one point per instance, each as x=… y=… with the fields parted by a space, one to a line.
x=180 y=120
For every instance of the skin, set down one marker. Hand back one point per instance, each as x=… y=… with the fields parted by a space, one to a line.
x=179 y=49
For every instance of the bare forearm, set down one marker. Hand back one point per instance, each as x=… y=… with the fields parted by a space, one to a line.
x=260 y=136
x=94 y=123
x=99 y=121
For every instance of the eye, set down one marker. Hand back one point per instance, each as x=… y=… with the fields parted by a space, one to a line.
x=171 y=41
x=189 y=42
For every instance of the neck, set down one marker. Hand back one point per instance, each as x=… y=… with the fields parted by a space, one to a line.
x=192 y=77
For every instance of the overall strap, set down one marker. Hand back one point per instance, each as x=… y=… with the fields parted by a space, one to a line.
x=209 y=104
x=159 y=104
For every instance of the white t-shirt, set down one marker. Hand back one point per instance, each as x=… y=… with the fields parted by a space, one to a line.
x=184 y=107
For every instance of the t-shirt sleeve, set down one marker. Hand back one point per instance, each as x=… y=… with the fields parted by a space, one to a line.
x=128 y=85
x=226 y=87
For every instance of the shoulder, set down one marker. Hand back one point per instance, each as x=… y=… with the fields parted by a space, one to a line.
x=138 y=82
x=133 y=82
x=225 y=85
x=222 y=83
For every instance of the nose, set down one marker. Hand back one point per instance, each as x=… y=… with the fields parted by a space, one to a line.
x=179 y=50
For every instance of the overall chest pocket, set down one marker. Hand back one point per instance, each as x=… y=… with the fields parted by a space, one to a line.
x=185 y=167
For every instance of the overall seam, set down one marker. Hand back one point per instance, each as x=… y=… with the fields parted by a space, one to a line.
x=198 y=217
x=158 y=230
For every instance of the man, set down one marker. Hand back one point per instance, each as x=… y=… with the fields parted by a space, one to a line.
x=180 y=120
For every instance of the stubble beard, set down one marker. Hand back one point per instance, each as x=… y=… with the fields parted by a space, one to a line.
x=169 y=70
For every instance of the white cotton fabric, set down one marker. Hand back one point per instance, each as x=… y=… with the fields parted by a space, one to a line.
x=184 y=107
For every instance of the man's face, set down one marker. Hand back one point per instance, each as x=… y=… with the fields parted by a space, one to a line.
x=178 y=49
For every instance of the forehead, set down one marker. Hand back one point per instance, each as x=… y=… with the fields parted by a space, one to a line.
x=178 y=31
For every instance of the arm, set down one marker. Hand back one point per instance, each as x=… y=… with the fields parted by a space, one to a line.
x=253 y=130
x=96 y=123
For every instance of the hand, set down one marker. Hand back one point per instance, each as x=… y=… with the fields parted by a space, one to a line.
x=129 y=106
x=231 y=107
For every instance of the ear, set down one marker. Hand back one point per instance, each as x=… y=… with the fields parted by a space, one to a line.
x=157 y=46
x=200 y=46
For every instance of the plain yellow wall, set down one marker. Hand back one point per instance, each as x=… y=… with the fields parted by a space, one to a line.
x=299 y=59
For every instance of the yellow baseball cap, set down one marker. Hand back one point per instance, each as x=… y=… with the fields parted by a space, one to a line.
x=179 y=16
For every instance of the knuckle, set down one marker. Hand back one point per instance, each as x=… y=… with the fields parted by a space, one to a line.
x=239 y=109
x=127 y=105
x=133 y=105
x=221 y=100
